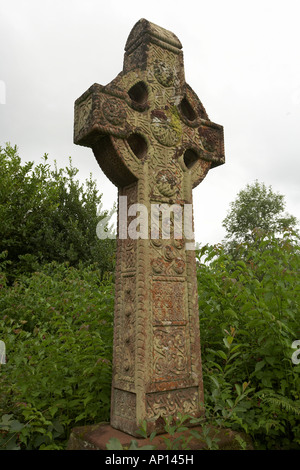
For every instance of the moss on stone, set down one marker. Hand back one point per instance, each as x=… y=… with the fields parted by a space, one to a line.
x=175 y=121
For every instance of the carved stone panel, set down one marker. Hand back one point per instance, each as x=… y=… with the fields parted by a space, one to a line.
x=170 y=353
x=127 y=359
x=129 y=245
x=168 y=301
x=171 y=402
x=124 y=404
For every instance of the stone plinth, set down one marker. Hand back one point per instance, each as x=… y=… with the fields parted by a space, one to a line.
x=96 y=437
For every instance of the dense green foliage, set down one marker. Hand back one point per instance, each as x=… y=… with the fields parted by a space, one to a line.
x=250 y=316
x=56 y=318
x=48 y=215
x=56 y=303
x=256 y=207
x=57 y=327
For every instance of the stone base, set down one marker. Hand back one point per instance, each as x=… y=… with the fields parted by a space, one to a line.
x=96 y=437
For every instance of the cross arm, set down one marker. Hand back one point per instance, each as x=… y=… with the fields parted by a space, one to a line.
x=101 y=110
x=101 y=116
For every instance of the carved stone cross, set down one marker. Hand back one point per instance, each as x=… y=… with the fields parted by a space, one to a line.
x=153 y=139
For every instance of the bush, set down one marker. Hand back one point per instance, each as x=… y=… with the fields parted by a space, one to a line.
x=249 y=317
x=48 y=215
x=57 y=327
x=57 y=324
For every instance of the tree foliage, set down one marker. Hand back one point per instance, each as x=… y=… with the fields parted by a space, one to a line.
x=56 y=319
x=57 y=324
x=256 y=207
x=249 y=305
x=48 y=215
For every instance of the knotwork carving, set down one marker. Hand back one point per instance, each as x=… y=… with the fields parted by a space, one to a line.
x=163 y=73
x=170 y=354
x=169 y=403
x=167 y=182
x=209 y=137
x=114 y=111
x=166 y=127
x=83 y=113
x=129 y=245
x=170 y=258
x=128 y=326
x=168 y=298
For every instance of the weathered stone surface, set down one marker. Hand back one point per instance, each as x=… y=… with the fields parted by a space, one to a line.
x=153 y=139
x=96 y=438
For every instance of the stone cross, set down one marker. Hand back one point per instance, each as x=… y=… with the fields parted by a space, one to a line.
x=153 y=139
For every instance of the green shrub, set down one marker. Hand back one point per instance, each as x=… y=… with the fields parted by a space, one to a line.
x=249 y=316
x=57 y=324
x=47 y=215
x=57 y=327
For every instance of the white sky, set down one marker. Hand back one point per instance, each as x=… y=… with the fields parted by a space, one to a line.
x=241 y=58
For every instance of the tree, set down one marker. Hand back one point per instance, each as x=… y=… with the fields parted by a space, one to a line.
x=48 y=215
x=256 y=207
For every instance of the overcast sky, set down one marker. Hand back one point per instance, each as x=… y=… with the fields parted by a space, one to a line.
x=242 y=58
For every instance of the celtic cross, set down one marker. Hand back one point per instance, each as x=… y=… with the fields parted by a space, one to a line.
x=153 y=139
